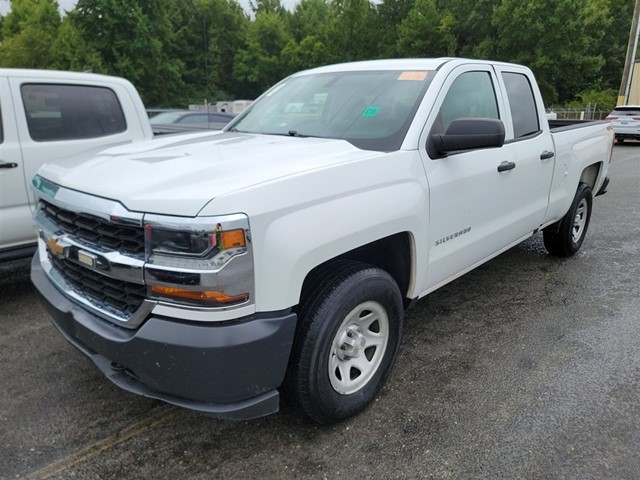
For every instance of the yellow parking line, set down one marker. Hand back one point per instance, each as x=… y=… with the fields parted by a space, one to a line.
x=91 y=451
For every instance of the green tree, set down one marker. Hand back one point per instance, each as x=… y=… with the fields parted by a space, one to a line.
x=308 y=53
x=556 y=38
x=226 y=27
x=613 y=47
x=468 y=24
x=28 y=34
x=132 y=38
x=72 y=51
x=310 y=18
x=418 y=33
x=391 y=14
x=351 y=31
x=260 y=64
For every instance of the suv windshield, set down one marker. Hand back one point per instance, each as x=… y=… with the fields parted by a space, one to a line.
x=371 y=109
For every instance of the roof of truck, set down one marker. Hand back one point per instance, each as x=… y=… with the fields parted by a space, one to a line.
x=57 y=75
x=397 y=64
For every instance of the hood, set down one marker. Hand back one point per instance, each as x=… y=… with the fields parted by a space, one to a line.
x=178 y=175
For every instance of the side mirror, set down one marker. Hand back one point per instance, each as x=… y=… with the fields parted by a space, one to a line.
x=469 y=134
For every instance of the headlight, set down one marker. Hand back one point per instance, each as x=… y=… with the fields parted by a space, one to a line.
x=205 y=248
x=201 y=261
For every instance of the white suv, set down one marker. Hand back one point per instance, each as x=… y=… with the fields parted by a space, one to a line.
x=625 y=120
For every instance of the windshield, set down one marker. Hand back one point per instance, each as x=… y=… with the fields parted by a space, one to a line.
x=372 y=110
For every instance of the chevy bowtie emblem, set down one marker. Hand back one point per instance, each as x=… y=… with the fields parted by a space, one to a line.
x=54 y=246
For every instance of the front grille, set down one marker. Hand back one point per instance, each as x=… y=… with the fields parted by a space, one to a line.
x=123 y=297
x=128 y=240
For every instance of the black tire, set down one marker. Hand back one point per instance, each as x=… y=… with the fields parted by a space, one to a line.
x=619 y=140
x=564 y=238
x=333 y=314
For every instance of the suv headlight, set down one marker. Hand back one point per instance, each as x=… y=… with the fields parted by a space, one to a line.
x=203 y=261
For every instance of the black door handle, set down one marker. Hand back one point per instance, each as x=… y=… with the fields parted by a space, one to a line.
x=546 y=154
x=8 y=165
x=504 y=166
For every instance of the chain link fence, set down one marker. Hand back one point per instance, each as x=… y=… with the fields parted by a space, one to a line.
x=587 y=113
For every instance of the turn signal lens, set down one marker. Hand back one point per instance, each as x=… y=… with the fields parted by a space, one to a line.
x=199 y=295
x=233 y=239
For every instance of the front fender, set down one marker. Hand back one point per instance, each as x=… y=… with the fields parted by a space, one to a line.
x=302 y=221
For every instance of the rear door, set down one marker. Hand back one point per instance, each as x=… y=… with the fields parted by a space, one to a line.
x=528 y=134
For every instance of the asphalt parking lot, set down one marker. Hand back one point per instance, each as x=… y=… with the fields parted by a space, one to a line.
x=527 y=367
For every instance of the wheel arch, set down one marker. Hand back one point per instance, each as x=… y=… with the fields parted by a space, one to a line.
x=394 y=254
x=590 y=175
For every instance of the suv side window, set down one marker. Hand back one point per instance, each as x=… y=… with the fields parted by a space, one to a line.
x=522 y=104
x=471 y=95
x=65 y=112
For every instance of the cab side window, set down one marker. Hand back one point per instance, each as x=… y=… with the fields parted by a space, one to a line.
x=471 y=95
x=64 y=112
x=522 y=104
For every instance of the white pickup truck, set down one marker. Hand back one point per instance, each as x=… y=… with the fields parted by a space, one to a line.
x=45 y=115
x=213 y=270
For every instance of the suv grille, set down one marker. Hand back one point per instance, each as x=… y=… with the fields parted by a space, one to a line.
x=123 y=297
x=96 y=231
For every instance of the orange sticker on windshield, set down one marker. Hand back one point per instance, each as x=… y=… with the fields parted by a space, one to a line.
x=413 y=76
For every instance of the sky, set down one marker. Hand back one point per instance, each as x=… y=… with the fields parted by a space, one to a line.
x=69 y=4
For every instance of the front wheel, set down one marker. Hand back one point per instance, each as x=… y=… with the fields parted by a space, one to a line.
x=564 y=238
x=349 y=331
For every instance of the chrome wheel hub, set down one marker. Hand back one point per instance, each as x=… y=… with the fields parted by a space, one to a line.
x=352 y=343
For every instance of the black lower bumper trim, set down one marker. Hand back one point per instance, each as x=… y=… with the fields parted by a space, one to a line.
x=230 y=370
x=255 y=407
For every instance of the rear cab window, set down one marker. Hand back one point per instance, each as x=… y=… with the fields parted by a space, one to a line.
x=69 y=112
x=522 y=104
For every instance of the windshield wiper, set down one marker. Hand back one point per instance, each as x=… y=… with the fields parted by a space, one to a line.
x=294 y=133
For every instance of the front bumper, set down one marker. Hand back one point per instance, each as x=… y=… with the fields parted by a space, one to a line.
x=230 y=370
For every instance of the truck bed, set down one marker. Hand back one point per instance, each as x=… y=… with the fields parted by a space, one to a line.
x=568 y=124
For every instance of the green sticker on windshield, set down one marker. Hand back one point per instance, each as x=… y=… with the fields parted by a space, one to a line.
x=370 y=112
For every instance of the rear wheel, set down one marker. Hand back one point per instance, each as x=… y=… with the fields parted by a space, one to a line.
x=564 y=238
x=349 y=331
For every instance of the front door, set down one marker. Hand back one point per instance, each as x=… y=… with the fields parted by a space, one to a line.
x=471 y=214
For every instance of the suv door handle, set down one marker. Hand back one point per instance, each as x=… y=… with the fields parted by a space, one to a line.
x=8 y=165
x=504 y=166
x=546 y=155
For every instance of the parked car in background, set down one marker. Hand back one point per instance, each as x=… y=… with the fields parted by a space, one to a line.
x=625 y=120
x=182 y=121
x=48 y=115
